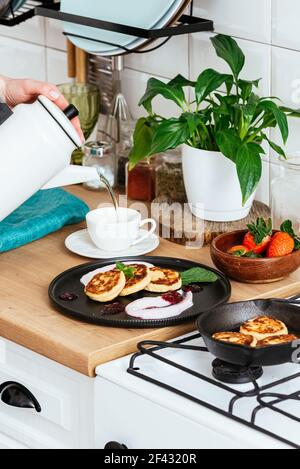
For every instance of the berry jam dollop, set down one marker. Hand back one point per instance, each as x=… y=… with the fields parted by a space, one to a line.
x=68 y=296
x=194 y=288
x=113 y=308
x=173 y=298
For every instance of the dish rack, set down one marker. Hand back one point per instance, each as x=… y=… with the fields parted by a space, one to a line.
x=187 y=24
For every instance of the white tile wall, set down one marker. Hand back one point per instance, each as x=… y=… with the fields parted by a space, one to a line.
x=267 y=30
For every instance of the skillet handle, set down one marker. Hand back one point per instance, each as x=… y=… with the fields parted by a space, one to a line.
x=295 y=300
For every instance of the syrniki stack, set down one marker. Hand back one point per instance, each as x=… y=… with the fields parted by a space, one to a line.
x=141 y=279
x=262 y=327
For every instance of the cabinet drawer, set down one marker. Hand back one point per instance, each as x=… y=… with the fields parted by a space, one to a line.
x=63 y=395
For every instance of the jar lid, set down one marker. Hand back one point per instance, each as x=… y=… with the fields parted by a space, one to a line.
x=63 y=119
x=98 y=149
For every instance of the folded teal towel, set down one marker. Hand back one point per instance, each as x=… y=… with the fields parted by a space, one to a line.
x=47 y=211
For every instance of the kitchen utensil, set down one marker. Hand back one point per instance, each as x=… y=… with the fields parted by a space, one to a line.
x=86 y=98
x=132 y=12
x=80 y=243
x=100 y=72
x=117 y=230
x=71 y=54
x=87 y=310
x=248 y=270
x=36 y=145
x=230 y=317
x=4 y=7
x=81 y=66
x=119 y=111
x=173 y=14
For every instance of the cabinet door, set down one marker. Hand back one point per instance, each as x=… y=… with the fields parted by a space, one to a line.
x=21 y=59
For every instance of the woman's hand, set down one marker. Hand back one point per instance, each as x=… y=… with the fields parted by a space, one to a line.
x=15 y=92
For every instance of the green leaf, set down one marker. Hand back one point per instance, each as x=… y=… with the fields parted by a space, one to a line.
x=228 y=50
x=275 y=147
x=198 y=275
x=246 y=87
x=228 y=142
x=208 y=81
x=181 y=81
x=249 y=168
x=290 y=112
x=142 y=140
x=156 y=87
x=170 y=134
x=287 y=227
x=279 y=116
x=128 y=271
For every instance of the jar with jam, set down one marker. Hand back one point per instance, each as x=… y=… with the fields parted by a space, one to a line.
x=169 y=177
x=141 y=181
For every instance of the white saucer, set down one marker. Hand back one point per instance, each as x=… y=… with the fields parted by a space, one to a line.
x=80 y=243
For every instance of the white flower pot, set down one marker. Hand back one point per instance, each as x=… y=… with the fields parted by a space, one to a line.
x=212 y=186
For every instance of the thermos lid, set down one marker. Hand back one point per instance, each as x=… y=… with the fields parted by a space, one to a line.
x=62 y=118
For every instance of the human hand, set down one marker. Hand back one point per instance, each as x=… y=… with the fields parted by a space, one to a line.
x=14 y=92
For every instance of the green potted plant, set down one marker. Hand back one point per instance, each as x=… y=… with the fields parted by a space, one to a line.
x=221 y=128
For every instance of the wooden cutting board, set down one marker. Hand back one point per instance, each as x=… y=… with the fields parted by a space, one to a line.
x=171 y=228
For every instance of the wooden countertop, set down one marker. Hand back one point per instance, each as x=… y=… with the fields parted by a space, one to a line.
x=27 y=318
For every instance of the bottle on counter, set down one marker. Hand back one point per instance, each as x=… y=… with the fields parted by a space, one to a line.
x=124 y=147
x=169 y=177
x=100 y=154
x=140 y=183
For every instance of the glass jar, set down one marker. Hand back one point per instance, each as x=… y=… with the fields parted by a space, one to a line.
x=285 y=192
x=100 y=154
x=169 y=177
x=123 y=149
x=140 y=181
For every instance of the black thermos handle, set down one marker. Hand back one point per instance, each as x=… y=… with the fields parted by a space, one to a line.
x=16 y=395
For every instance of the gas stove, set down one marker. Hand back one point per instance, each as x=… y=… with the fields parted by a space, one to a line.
x=232 y=406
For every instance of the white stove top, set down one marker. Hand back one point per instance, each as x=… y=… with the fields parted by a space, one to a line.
x=210 y=394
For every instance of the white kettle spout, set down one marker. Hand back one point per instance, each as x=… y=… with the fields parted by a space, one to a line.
x=73 y=175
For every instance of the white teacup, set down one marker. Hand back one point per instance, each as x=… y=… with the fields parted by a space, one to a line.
x=117 y=231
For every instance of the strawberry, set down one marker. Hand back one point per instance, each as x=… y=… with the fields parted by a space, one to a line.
x=238 y=251
x=259 y=236
x=282 y=244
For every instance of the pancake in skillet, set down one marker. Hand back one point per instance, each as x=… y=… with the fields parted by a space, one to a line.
x=164 y=280
x=142 y=278
x=235 y=338
x=277 y=340
x=263 y=327
x=106 y=286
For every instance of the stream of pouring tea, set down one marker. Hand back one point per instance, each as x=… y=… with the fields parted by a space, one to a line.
x=111 y=192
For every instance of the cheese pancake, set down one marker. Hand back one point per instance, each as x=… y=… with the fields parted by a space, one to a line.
x=106 y=286
x=263 y=327
x=142 y=278
x=235 y=338
x=277 y=340
x=164 y=280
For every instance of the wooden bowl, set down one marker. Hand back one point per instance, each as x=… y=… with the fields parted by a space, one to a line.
x=249 y=270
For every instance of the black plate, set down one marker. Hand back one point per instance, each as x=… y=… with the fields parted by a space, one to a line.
x=230 y=317
x=84 y=309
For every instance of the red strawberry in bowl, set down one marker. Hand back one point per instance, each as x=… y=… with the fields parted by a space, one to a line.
x=259 y=236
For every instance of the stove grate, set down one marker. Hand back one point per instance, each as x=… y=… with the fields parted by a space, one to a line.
x=265 y=398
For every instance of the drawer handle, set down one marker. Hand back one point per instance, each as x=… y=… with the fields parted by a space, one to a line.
x=16 y=395
x=115 y=445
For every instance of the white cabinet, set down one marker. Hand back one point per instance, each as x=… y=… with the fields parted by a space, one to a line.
x=65 y=398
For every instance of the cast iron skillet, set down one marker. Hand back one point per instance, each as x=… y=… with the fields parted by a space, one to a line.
x=229 y=318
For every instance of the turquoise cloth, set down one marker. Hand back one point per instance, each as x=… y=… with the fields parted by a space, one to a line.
x=47 y=211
